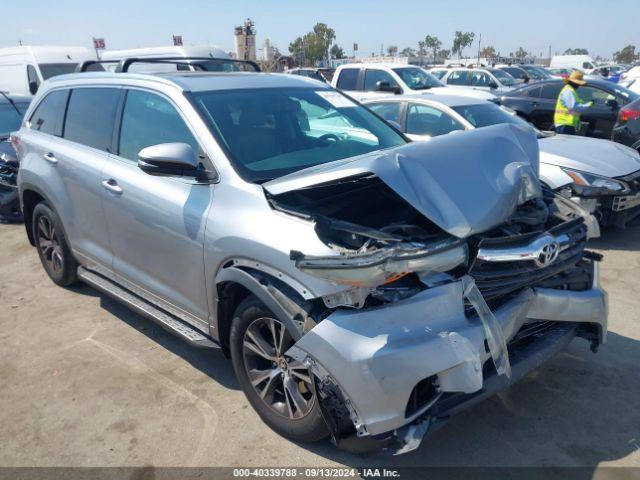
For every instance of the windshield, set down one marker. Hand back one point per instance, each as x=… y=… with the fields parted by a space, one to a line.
x=10 y=119
x=49 y=70
x=536 y=72
x=417 y=78
x=272 y=132
x=504 y=77
x=487 y=114
x=516 y=72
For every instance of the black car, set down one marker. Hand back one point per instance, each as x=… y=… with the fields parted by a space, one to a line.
x=536 y=103
x=627 y=128
x=12 y=109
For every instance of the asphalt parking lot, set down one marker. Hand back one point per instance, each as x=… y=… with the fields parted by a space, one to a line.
x=86 y=382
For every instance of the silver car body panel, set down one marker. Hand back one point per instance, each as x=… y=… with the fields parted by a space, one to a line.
x=377 y=356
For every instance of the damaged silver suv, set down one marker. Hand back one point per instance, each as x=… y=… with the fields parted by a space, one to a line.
x=364 y=287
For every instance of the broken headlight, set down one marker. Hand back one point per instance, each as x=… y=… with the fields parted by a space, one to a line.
x=371 y=269
x=589 y=184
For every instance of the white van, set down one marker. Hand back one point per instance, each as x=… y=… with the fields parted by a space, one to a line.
x=578 y=62
x=23 y=69
x=156 y=52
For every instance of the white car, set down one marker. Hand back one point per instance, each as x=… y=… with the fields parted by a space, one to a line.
x=631 y=79
x=373 y=80
x=24 y=68
x=602 y=176
x=575 y=62
x=492 y=80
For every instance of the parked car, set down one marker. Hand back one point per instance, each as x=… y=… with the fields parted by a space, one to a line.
x=23 y=69
x=627 y=128
x=560 y=72
x=574 y=62
x=604 y=177
x=536 y=103
x=631 y=78
x=489 y=79
x=517 y=72
x=535 y=72
x=438 y=72
x=364 y=286
x=321 y=74
x=365 y=80
x=12 y=109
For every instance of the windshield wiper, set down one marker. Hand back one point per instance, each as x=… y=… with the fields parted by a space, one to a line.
x=15 y=107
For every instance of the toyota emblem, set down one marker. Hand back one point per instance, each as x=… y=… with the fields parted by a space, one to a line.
x=548 y=254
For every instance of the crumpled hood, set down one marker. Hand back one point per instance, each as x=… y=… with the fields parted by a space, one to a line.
x=590 y=155
x=465 y=184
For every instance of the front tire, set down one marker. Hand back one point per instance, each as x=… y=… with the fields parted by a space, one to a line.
x=52 y=246
x=278 y=387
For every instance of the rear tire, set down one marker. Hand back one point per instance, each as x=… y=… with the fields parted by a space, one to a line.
x=280 y=389
x=52 y=246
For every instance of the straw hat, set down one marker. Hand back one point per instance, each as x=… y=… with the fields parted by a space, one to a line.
x=576 y=77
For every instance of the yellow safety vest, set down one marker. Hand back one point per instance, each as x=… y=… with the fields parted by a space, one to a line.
x=562 y=115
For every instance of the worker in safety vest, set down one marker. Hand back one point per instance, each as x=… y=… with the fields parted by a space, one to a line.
x=569 y=105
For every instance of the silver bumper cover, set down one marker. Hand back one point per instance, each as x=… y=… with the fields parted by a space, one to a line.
x=377 y=356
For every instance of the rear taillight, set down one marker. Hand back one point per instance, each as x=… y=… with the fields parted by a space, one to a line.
x=627 y=114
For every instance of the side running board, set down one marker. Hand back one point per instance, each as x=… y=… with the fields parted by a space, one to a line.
x=164 y=319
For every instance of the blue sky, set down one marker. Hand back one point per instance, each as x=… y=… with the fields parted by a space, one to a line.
x=601 y=27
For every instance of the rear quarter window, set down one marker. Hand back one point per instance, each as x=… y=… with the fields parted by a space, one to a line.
x=551 y=91
x=91 y=116
x=348 y=79
x=47 y=115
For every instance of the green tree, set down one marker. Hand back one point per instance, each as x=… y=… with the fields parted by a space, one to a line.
x=433 y=44
x=462 y=40
x=336 y=52
x=626 y=55
x=392 y=50
x=576 y=51
x=324 y=37
x=488 y=52
x=421 y=50
x=520 y=54
x=444 y=54
x=408 y=52
x=314 y=46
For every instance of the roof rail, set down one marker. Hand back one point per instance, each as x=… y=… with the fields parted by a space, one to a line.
x=82 y=67
x=198 y=62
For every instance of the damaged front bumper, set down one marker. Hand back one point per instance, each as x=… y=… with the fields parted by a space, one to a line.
x=374 y=360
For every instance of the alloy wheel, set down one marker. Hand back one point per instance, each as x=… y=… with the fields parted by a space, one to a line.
x=281 y=382
x=49 y=245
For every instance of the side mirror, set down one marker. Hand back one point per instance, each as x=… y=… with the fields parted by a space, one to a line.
x=33 y=87
x=387 y=87
x=493 y=85
x=527 y=79
x=171 y=160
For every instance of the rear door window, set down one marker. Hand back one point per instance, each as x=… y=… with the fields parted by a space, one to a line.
x=149 y=119
x=458 y=77
x=47 y=114
x=91 y=116
x=348 y=79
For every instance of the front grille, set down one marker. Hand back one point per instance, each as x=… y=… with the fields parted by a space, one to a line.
x=497 y=281
x=633 y=180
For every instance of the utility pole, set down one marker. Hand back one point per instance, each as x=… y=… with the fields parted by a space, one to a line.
x=20 y=42
x=479 y=42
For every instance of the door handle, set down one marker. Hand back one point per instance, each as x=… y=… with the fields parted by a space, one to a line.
x=112 y=186
x=50 y=157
